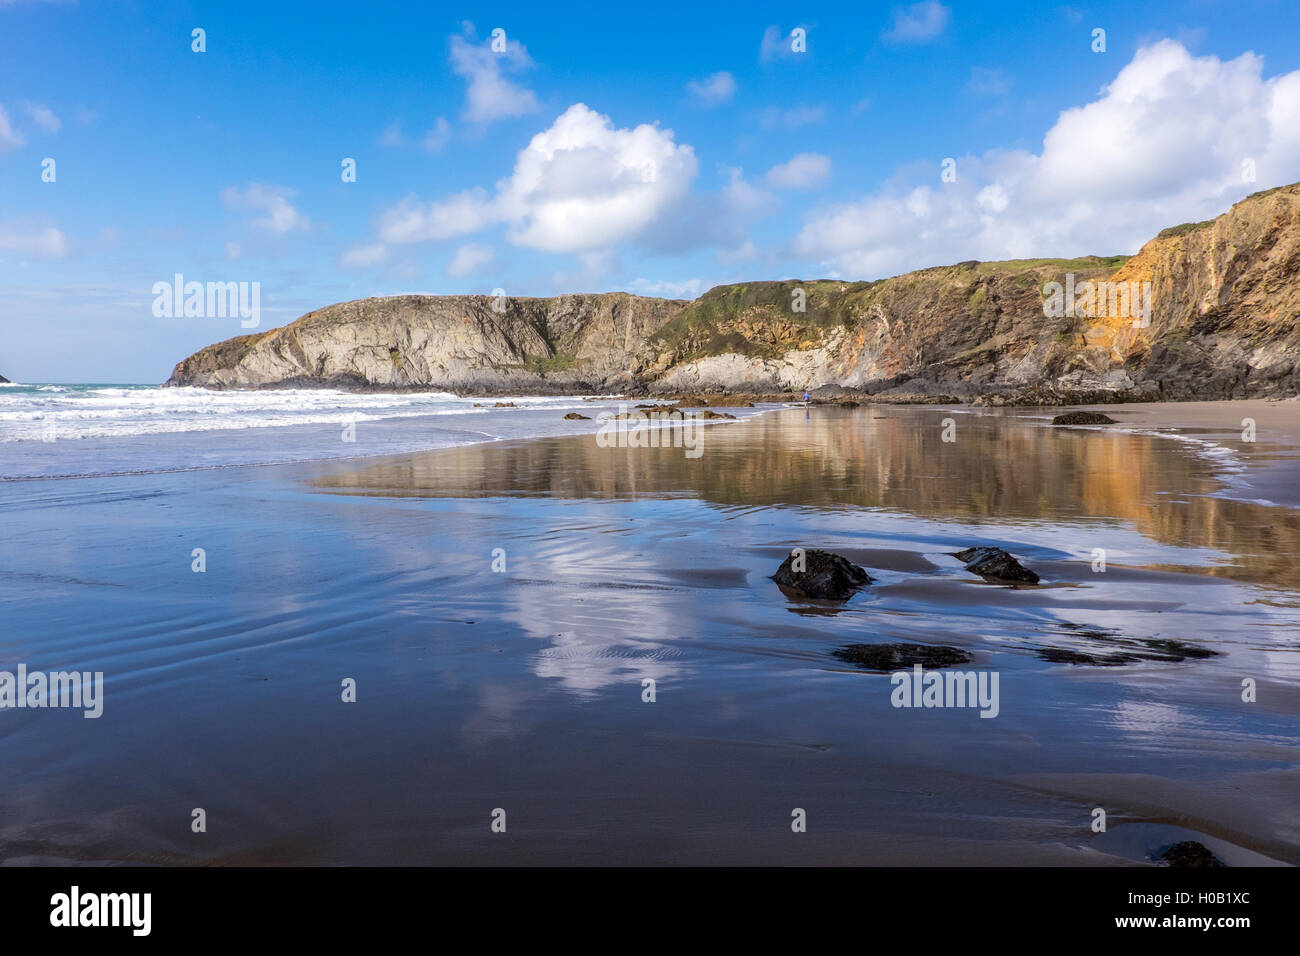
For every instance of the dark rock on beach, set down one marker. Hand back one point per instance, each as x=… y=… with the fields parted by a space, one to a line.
x=1166 y=650
x=1109 y=648
x=824 y=575
x=574 y=417
x=1133 y=651
x=1083 y=418
x=892 y=657
x=995 y=563
x=1190 y=853
x=1060 y=655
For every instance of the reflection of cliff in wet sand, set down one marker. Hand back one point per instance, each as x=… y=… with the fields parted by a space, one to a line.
x=895 y=459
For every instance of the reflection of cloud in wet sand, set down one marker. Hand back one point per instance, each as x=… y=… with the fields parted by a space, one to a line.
x=593 y=644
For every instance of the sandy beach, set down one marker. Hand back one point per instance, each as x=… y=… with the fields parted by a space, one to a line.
x=523 y=688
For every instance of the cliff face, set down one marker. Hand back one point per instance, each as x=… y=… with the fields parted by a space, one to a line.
x=458 y=343
x=1224 y=303
x=961 y=329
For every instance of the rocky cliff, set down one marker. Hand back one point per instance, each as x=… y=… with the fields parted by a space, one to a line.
x=457 y=343
x=1204 y=310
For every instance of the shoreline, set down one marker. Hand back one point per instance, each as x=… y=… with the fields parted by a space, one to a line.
x=1272 y=459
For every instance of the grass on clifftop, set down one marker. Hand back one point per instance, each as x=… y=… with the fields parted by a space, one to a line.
x=1183 y=229
x=757 y=319
x=1081 y=264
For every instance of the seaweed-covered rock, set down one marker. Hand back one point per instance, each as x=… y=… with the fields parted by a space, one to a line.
x=820 y=574
x=892 y=657
x=1083 y=418
x=995 y=563
x=1190 y=853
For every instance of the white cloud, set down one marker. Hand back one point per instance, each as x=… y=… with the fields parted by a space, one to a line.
x=233 y=251
x=993 y=198
x=578 y=186
x=43 y=117
x=490 y=95
x=412 y=221
x=47 y=241
x=1164 y=143
x=802 y=172
x=364 y=256
x=281 y=215
x=10 y=138
x=713 y=90
x=392 y=135
x=776 y=118
x=436 y=139
x=919 y=23
x=469 y=258
x=777 y=44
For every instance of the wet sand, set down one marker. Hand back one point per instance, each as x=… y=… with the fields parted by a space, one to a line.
x=522 y=688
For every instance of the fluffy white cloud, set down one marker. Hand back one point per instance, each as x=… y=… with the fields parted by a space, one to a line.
x=47 y=241
x=919 y=23
x=43 y=117
x=1168 y=141
x=713 y=90
x=490 y=94
x=580 y=185
x=281 y=215
x=469 y=258
x=802 y=172
x=10 y=138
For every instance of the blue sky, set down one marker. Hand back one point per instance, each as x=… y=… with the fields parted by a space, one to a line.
x=658 y=150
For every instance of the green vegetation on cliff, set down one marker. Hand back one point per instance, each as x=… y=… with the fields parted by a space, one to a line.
x=762 y=320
